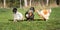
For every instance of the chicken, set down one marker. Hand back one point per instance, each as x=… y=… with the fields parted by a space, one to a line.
x=29 y=15
x=17 y=15
x=45 y=13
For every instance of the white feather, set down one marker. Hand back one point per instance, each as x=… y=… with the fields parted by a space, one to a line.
x=18 y=16
x=45 y=16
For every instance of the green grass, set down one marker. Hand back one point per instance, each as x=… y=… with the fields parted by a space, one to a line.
x=52 y=24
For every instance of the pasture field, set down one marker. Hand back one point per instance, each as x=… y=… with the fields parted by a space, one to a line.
x=6 y=23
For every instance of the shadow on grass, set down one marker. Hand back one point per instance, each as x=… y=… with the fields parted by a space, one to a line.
x=27 y=20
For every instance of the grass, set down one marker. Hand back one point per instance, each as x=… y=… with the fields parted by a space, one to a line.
x=52 y=24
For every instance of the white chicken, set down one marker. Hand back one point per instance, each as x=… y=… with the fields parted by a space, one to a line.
x=18 y=16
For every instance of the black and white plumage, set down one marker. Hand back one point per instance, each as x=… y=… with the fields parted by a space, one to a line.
x=17 y=15
x=29 y=15
x=33 y=9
